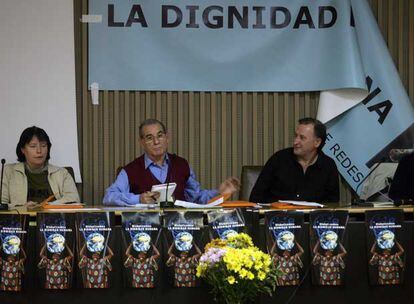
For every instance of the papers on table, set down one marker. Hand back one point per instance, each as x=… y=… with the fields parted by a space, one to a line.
x=194 y=206
x=166 y=191
x=58 y=203
x=84 y=209
x=375 y=204
x=215 y=201
x=303 y=203
x=62 y=210
x=131 y=207
x=382 y=204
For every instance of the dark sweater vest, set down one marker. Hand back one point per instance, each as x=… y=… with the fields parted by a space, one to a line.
x=141 y=179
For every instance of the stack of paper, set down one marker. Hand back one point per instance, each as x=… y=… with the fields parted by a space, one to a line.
x=303 y=203
x=193 y=205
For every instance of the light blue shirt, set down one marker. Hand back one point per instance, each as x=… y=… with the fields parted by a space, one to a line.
x=119 y=192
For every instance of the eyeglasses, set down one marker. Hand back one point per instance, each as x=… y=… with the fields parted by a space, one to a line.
x=149 y=139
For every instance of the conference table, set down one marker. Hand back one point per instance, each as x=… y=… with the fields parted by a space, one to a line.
x=356 y=289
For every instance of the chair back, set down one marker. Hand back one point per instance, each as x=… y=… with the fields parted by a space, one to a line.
x=249 y=177
x=71 y=172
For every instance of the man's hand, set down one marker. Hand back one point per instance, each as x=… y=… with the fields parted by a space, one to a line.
x=229 y=186
x=149 y=197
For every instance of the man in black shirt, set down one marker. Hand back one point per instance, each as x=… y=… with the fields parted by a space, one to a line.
x=300 y=173
x=402 y=187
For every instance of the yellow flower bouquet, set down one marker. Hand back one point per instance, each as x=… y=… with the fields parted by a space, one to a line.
x=237 y=270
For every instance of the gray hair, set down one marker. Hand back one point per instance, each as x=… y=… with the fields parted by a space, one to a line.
x=151 y=121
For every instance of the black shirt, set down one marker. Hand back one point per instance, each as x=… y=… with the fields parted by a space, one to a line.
x=282 y=178
x=402 y=186
x=38 y=186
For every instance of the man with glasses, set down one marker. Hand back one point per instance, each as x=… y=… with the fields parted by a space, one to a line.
x=156 y=166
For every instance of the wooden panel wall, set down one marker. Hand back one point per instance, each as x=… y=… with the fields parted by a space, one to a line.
x=217 y=132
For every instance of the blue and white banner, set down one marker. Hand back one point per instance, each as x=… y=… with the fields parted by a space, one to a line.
x=222 y=45
x=333 y=46
x=368 y=133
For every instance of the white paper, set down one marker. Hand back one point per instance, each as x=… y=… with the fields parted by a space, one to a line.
x=71 y=210
x=194 y=205
x=216 y=202
x=382 y=204
x=132 y=207
x=303 y=203
x=162 y=189
x=80 y=209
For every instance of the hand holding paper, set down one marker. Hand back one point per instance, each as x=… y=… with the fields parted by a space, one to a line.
x=165 y=192
x=149 y=197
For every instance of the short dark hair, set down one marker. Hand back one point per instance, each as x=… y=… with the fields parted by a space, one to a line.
x=27 y=136
x=319 y=129
x=151 y=121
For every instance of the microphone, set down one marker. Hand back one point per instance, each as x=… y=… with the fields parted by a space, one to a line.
x=166 y=193
x=2 y=206
x=166 y=203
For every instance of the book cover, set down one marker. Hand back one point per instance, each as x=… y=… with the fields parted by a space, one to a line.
x=284 y=240
x=328 y=248
x=386 y=253
x=13 y=253
x=183 y=239
x=141 y=249
x=55 y=250
x=95 y=248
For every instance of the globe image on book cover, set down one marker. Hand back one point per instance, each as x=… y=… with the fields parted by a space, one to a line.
x=55 y=243
x=95 y=242
x=228 y=233
x=385 y=239
x=329 y=240
x=141 y=242
x=285 y=240
x=183 y=241
x=11 y=244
